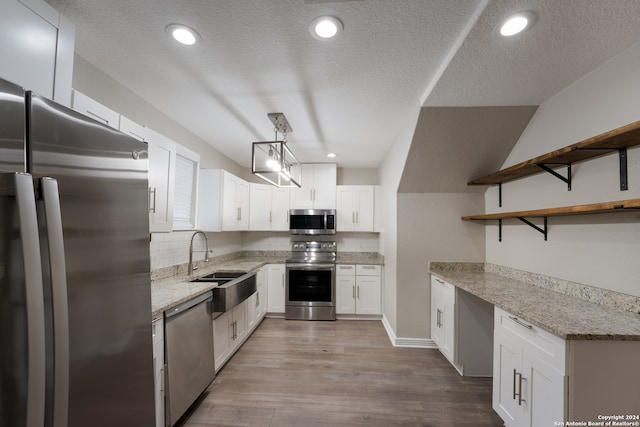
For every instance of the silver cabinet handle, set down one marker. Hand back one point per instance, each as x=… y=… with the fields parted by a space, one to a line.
x=239 y=214
x=152 y=197
x=258 y=299
x=58 y=274
x=369 y=267
x=270 y=217
x=438 y=280
x=438 y=318
x=358 y=292
x=357 y=219
x=353 y=289
x=27 y=215
x=517 y=380
x=520 y=322
x=353 y=217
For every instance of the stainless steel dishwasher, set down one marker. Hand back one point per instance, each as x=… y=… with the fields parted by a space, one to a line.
x=189 y=354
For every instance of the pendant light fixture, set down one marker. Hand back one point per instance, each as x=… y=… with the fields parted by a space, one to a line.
x=273 y=161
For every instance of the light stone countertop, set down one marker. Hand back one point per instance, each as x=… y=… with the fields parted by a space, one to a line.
x=563 y=315
x=168 y=292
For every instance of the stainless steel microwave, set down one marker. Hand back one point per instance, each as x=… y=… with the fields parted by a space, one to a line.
x=312 y=221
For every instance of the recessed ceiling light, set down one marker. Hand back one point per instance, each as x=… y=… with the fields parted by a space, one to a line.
x=517 y=23
x=325 y=27
x=183 y=34
x=331 y=155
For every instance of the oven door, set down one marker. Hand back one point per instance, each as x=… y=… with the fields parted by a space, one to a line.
x=310 y=285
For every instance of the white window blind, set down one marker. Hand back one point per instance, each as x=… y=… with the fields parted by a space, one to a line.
x=184 y=200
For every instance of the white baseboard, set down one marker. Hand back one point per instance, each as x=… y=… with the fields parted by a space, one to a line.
x=406 y=342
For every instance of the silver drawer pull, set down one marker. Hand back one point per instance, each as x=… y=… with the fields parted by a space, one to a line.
x=520 y=322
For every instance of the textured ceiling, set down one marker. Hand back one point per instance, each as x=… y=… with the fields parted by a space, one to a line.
x=352 y=95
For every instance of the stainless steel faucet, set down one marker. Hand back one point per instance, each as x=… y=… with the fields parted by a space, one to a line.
x=206 y=251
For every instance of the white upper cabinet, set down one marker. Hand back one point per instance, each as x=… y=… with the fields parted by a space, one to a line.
x=162 y=161
x=318 y=189
x=46 y=65
x=92 y=108
x=268 y=208
x=223 y=201
x=355 y=207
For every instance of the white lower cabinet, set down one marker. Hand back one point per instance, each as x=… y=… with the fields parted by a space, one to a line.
x=158 y=369
x=443 y=317
x=528 y=373
x=257 y=303
x=358 y=289
x=276 y=288
x=229 y=331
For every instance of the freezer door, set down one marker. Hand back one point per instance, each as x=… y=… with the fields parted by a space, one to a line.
x=102 y=182
x=22 y=320
x=12 y=128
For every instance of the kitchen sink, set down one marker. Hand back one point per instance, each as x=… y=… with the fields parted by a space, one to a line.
x=220 y=276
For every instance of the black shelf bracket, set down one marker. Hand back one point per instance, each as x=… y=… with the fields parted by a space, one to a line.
x=566 y=180
x=529 y=223
x=622 y=155
x=500 y=195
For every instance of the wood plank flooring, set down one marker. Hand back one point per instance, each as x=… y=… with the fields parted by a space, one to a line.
x=343 y=373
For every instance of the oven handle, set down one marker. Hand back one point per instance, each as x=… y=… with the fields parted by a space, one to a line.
x=310 y=266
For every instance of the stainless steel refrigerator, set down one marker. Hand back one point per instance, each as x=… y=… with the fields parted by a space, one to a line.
x=75 y=295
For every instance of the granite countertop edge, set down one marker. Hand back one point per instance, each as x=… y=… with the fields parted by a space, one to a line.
x=172 y=291
x=565 y=316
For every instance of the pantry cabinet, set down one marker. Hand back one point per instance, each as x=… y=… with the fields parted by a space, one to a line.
x=223 y=201
x=268 y=208
x=358 y=289
x=528 y=374
x=276 y=288
x=318 y=189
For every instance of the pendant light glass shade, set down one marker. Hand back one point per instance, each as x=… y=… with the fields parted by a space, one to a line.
x=275 y=163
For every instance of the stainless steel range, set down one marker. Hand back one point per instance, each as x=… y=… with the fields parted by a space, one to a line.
x=311 y=281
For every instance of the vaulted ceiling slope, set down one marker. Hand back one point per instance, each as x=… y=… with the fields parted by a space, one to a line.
x=351 y=95
x=452 y=145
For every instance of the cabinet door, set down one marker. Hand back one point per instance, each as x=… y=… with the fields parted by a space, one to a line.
x=544 y=392
x=280 y=209
x=162 y=158
x=507 y=364
x=368 y=295
x=324 y=179
x=302 y=198
x=222 y=333
x=91 y=108
x=133 y=129
x=260 y=209
x=346 y=208
x=345 y=294
x=364 y=208
x=276 y=296
x=239 y=314
x=242 y=201
x=252 y=310
x=437 y=327
x=230 y=208
x=448 y=320
x=158 y=369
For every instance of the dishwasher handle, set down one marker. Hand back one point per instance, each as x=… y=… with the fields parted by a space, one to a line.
x=185 y=306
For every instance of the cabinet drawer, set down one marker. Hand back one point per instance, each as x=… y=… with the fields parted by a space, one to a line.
x=546 y=346
x=345 y=270
x=446 y=288
x=368 y=270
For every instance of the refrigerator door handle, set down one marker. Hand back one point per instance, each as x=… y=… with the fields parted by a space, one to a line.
x=27 y=216
x=53 y=220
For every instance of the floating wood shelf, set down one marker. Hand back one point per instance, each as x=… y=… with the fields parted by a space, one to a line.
x=615 y=140
x=595 y=208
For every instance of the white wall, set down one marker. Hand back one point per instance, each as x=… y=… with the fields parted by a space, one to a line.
x=390 y=175
x=597 y=250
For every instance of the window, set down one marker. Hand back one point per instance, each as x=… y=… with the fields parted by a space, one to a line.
x=185 y=190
